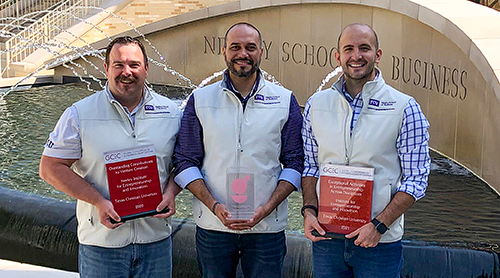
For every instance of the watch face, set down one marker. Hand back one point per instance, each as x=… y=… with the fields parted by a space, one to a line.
x=382 y=228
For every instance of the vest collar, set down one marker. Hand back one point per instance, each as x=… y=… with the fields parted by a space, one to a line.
x=145 y=97
x=370 y=87
x=227 y=85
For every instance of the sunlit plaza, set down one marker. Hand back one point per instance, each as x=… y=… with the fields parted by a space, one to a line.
x=442 y=53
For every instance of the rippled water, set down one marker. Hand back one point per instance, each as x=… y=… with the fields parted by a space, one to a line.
x=459 y=209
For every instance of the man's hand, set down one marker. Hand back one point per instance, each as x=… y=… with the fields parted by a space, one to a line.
x=368 y=236
x=224 y=216
x=106 y=213
x=168 y=201
x=258 y=215
x=310 y=224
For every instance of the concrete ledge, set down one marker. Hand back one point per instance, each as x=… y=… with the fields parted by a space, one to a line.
x=36 y=80
x=42 y=231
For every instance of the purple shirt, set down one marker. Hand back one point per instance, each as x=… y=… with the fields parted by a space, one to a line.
x=189 y=150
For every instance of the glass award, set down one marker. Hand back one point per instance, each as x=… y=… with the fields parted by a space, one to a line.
x=240 y=193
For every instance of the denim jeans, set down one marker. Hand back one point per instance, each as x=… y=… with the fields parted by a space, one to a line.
x=152 y=260
x=341 y=258
x=261 y=254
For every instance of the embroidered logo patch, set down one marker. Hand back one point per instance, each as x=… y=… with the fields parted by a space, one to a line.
x=374 y=102
x=156 y=109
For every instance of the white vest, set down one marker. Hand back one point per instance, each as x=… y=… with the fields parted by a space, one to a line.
x=258 y=131
x=105 y=126
x=373 y=140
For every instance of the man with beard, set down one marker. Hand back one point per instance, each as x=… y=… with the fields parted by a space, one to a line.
x=243 y=126
x=126 y=115
x=361 y=121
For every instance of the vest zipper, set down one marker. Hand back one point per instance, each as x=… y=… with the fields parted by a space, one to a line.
x=348 y=134
x=239 y=147
x=124 y=114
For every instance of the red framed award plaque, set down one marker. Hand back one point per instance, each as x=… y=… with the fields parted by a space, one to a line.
x=345 y=197
x=133 y=180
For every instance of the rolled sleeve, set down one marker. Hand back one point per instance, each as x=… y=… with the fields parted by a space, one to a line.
x=292 y=176
x=413 y=150
x=188 y=176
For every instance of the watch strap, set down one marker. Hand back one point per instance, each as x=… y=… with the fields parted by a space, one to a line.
x=315 y=208
x=381 y=227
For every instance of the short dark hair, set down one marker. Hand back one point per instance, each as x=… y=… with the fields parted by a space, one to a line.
x=360 y=24
x=242 y=23
x=124 y=41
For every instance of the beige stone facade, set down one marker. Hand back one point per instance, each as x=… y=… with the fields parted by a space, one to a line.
x=432 y=50
x=141 y=12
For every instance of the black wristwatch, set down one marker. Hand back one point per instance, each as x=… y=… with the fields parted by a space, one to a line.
x=381 y=227
x=315 y=208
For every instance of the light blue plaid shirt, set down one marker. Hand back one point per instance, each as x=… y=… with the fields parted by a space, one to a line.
x=412 y=145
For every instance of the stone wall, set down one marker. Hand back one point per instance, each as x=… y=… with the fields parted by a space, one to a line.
x=434 y=51
x=141 y=12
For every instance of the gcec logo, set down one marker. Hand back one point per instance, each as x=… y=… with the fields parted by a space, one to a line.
x=330 y=170
x=112 y=156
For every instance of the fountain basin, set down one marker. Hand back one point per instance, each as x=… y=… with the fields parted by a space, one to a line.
x=42 y=231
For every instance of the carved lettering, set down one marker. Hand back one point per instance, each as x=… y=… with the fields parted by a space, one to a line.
x=463 y=76
x=293 y=53
x=454 y=79
x=417 y=72
x=311 y=54
x=405 y=70
x=435 y=76
x=395 y=68
x=442 y=79
x=446 y=81
x=308 y=54
x=284 y=47
x=266 y=49
x=323 y=61
x=211 y=46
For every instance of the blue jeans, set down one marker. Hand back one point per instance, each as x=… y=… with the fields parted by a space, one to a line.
x=261 y=255
x=341 y=258
x=152 y=260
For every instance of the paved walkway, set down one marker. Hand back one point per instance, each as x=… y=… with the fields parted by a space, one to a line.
x=10 y=269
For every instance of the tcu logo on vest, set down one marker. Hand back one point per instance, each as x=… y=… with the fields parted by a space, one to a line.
x=259 y=97
x=374 y=102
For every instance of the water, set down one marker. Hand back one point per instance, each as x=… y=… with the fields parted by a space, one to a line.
x=459 y=209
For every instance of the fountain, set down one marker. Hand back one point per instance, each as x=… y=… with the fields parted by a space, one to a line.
x=41 y=230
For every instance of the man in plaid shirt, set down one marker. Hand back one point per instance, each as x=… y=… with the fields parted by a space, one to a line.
x=361 y=121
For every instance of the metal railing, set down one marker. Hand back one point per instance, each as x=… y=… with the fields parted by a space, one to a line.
x=18 y=8
x=65 y=15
